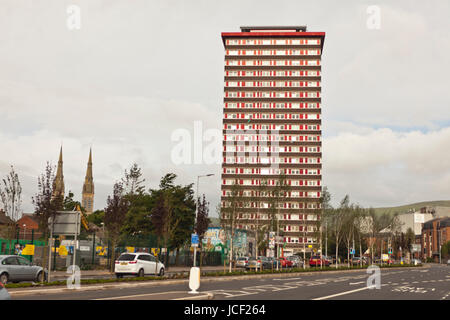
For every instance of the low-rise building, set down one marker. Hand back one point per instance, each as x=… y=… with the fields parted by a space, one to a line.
x=28 y=226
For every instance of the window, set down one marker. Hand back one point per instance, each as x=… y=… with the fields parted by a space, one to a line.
x=144 y=257
x=23 y=261
x=11 y=261
x=127 y=257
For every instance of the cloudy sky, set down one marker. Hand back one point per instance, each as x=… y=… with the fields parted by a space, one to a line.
x=138 y=71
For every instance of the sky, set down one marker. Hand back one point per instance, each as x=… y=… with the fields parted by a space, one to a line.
x=123 y=77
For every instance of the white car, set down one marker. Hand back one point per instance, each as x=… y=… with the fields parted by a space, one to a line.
x=138 y=264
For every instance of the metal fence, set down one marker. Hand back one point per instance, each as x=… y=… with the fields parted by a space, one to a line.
x=94 y=253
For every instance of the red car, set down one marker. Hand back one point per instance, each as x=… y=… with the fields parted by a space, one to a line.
x=285 y=263
x=315 y=262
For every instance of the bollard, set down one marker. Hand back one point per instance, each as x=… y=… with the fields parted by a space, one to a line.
x=194 y=280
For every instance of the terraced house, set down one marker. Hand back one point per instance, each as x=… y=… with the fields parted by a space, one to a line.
x=272 y=137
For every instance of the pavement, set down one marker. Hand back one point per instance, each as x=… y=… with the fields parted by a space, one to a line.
x=429 y=282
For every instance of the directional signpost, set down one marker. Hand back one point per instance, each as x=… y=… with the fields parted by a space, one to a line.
x=64 y=223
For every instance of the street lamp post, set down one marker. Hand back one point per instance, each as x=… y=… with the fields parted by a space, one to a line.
x=196 y=211
x=24 y=231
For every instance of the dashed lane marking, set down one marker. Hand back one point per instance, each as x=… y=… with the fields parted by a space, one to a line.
x=353 y=283
x=341 y=294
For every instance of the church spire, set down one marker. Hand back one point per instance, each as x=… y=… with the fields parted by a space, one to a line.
x=58 y=183
x=88 y=187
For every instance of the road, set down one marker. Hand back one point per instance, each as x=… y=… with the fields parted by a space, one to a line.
x=427 y=283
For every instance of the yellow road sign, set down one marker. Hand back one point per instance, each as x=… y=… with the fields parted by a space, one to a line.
x=62 y=251
x=28 y=250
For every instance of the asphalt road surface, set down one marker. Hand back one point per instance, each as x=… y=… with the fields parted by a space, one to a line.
x=427 y=283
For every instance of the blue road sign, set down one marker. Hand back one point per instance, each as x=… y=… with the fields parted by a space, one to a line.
x=194 y=239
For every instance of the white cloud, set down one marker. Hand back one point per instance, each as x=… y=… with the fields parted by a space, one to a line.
x=385 y=167
x=134 y=73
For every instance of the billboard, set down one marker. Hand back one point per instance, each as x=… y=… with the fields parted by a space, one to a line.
x=216 y=239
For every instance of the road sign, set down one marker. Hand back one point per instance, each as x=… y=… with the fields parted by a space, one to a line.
x=271 y=240
x=194 y=240
x=416 y=247
x=28 y=250
x=66 y=223
x=352 y=251
x=63 y=251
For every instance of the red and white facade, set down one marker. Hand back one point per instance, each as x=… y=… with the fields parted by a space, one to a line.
x=272 y=126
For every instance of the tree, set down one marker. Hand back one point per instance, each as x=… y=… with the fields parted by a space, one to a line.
x=360 y=217
x=115 y=213
x=97 y=218
x=323 y=220
x=46 y=204
x=174 y=213
x=376 y=223
x=11 y=201
x=338 y=221
x=410 y=238
x=229 y=211
x=202 y=222
x=277 y=195
x=349 y=228
x=260 y=232
x=132 y=181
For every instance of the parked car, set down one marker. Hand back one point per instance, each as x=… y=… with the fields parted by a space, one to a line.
x=315 y=261
x=138 y=264
x=4 y=295
x=330 y=259
x=260 y=263
x=358 y=260
x=16 y=268
x=448 y=262
x=273 y=260
x=297 y=262
x=242 y=262
x=285 y=262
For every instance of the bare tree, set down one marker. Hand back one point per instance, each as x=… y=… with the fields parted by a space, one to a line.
x=349 y=228
x=11 y=200
x=46 y=203
x=202 y=222
x=229 y=211
x=338 y=223
x=379 y=225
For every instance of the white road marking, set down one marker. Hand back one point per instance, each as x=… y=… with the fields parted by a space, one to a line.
x=353 y=283
x=341 y=294
x=286 y=279
x=138 y=295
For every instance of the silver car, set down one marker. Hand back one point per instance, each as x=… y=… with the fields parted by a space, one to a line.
x=17 y=268
x=242 y=262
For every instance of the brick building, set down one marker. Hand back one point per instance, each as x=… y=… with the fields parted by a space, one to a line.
x=435 y=233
